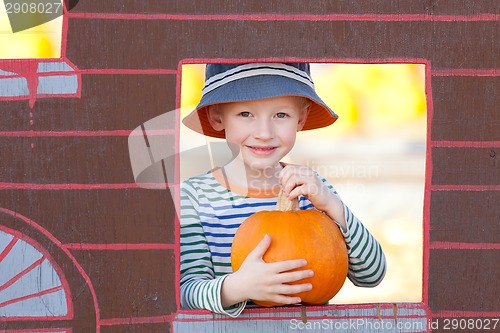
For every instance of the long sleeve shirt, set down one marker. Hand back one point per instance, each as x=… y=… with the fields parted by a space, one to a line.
x=210 y=215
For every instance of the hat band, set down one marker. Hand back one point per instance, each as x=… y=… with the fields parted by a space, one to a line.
x=254 y=69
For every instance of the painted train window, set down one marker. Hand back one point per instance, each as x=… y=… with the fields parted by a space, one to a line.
x=374 y=155
x=32 y=63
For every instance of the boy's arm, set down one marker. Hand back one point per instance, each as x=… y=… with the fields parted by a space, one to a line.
x=200 y=289
x=367 y=264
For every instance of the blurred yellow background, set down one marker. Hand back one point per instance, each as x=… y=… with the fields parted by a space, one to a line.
x=43 y=41
x=374 y=154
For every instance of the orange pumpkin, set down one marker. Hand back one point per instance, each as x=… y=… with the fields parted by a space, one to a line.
x=297 y=234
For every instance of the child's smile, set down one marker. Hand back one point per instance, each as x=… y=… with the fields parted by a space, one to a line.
x=262 y=150
x=261 y=132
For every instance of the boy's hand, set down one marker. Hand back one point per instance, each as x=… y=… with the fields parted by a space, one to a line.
x=262 y=281
x=298 y=180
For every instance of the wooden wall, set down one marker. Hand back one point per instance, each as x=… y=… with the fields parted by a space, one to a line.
x=65 y=175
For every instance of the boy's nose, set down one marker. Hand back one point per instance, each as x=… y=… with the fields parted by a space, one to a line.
x=264 y=130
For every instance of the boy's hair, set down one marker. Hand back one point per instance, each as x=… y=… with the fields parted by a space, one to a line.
x=225 y=83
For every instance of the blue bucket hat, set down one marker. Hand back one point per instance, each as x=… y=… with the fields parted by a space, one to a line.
x=225 y=83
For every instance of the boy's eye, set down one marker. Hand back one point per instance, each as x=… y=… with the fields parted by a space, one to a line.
x=245 y=114
x=281 y=115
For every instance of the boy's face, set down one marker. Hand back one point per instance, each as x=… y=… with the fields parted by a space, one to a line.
x=261 y=132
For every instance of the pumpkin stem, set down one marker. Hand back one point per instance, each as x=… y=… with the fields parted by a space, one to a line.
x=284 y=204
x=303 y=313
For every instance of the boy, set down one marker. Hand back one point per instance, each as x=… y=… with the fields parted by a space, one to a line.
x=258 y=108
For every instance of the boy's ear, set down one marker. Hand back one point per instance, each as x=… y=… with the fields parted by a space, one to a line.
x=214 y=117
x=303 y=115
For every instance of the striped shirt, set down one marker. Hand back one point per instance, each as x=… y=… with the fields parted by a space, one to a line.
x=210 y=216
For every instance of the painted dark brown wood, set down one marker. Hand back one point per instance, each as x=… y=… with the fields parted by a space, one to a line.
x=469 y=216
x=108 y=102
x=466 y=108
x=146 y=328
x=446 y=44
x=135 y=216
x=463 y=280
x=62 y=160
x=131 y=283
x=448 y=7
x=466 y=166
x=14 y=116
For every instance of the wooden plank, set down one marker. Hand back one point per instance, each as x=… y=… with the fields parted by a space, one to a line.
x=466 y=108
x=131 y=284
x=150 y=328
x=108 y=102
x=446 y=44
x=465 y=166
x=469 y=216
x=359 y=318
x=15 y=115
x=463 y=280
x=70 y=160
x=442 y=7
x=85 y=217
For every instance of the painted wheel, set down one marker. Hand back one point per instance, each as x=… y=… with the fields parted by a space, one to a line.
x=30 y=281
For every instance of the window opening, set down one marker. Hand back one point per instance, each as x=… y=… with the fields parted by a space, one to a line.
x=374 y=155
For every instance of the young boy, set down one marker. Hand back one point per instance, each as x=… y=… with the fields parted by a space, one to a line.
x=258 y=108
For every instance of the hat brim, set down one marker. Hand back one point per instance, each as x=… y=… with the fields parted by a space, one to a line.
x=255 y=88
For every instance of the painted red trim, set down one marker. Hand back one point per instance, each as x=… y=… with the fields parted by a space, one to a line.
x=32 y=318
x=38 y=96
x=22 y=273
x=41 y=293
x=125 y=71
x=77 y=71
x=309 y=317
x=33 y=186
x=176 y=194
x=209 y=317
x=259 y=311
x=38 y=74
x=421 y=61
x=114 y=133
x=426 y=208
x=427 y=186
x=40 y=330
x=288 y=17
x=466 y=72
x=7 y=61
x=465 y=187
x=468 y=144
x=465 y=246
x=64 y=32
x=8 y=248
x=117 y=247
x=458 y=314
x=63 y=279
x=137 y=320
